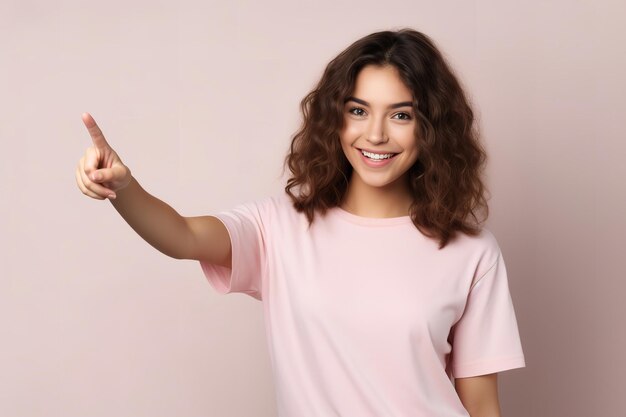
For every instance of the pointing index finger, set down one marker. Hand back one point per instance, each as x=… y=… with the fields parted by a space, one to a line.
x=94 y=131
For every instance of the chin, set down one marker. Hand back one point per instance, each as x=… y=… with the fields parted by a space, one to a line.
x=371 y=180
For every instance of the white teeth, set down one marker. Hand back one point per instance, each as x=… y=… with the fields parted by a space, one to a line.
x=376 y=155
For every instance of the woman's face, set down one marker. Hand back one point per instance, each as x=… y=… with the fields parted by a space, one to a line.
x=379 y=118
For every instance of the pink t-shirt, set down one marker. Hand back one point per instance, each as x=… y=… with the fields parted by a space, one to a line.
x=365 y=316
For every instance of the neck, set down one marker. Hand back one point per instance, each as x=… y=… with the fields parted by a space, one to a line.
x=364 y=200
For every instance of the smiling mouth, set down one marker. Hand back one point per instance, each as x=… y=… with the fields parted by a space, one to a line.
x=376 y=156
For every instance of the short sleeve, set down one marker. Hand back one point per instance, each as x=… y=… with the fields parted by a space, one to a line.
x=486 y=338
x=244 y=226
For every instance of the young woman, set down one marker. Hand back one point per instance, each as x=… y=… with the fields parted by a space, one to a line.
x=382 y=294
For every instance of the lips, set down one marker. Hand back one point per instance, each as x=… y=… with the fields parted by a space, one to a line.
x=377 y=152
x=376 y=163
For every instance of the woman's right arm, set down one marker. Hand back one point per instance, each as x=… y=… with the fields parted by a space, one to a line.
x=200 y=238
x=203 y=237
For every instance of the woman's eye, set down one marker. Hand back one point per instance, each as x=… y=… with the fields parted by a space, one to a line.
x=407 y=116
x=356 y=110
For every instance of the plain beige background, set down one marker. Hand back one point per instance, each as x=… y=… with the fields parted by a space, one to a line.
x=200 y=99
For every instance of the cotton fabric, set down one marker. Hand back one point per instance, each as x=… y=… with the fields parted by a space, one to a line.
x=366 y=316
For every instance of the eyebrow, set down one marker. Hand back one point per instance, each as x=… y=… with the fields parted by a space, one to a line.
x=391 y=106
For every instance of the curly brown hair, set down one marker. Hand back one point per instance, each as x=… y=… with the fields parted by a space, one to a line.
x=445 y=181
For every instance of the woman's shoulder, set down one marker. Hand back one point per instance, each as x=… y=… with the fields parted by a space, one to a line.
x=483 y=245
x=273 y=205
x=277 y=201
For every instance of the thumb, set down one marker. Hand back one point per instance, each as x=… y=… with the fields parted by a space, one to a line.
x=94 y=131
x=115 y=173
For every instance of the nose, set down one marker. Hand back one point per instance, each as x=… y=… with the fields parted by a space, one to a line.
x=376 y=131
